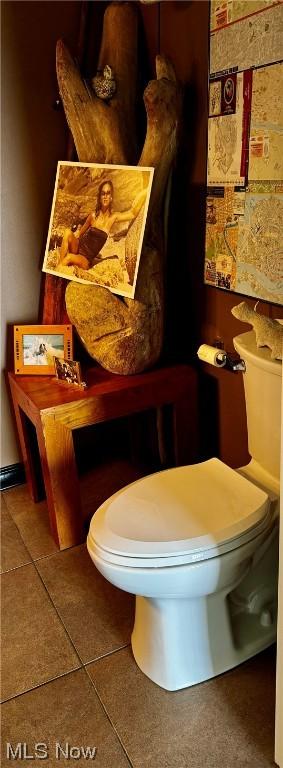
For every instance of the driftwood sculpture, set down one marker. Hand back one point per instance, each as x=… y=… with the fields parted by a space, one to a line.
x=124 y=335
x=268 y=332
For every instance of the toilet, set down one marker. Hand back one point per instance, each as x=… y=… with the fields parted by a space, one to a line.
x=198 y=546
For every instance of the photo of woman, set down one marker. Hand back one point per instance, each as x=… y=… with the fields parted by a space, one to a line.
x=93 y=247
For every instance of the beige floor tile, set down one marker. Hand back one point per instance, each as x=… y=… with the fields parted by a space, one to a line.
x=32 y=521
x=96 y=485
x=98 y=617
x=35 y=646
x=227 y=722
x=13 y=550
x=65 y=711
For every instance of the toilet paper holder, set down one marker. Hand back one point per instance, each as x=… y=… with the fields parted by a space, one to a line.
x=234 y=364
x=217 y=356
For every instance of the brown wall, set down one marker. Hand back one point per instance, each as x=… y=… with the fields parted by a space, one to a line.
x=198 y=313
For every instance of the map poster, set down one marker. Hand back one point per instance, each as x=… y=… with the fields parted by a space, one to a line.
x=250 y=42
x=244 y=240
x=222 y=220
x=222 y=95
x=228 y=11
x=244 y=208
x=228 y=133
x=259 y=259
x=266 y=129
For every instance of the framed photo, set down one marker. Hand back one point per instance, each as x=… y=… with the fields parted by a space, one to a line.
x=35 y=347
x=97 y=224
x=69 y=372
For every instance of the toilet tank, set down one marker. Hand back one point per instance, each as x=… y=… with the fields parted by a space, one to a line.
x=262 y=382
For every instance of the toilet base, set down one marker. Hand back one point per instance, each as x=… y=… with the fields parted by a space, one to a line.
x=181 y=642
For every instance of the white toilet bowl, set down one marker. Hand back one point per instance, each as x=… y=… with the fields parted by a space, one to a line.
x=182 y=541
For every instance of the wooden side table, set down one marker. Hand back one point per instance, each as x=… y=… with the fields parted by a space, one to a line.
x=56 y=410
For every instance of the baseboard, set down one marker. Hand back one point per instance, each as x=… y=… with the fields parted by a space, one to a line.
x=12 y=475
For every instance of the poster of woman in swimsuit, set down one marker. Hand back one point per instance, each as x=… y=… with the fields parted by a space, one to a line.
x=97 y=224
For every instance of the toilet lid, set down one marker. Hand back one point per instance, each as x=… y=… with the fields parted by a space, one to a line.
x=189 y=510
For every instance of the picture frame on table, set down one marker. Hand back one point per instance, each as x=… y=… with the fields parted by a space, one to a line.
x=69 y=372
x=35 y=347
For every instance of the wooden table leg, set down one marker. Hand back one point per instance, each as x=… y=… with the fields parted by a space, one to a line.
x=55 y=441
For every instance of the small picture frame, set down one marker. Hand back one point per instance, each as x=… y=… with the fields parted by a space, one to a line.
x=36 y=346
x=69 y=372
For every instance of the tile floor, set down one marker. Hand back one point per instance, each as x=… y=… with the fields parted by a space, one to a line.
x=70 y=681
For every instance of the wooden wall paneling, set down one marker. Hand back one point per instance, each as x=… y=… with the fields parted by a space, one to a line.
x=142 y=427
x=217 y=319
x=184 y=38
x=150 y=33
x=148 y=46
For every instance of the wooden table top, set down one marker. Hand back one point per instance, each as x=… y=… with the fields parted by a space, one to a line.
x=45 y=392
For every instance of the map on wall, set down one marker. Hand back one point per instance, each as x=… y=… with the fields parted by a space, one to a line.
x=223 y=208
x=266 y=130
x=244 y=205
x=228 y=131
x=259 y=261
x=249 y=42
x=244 y=240
x=227 y=11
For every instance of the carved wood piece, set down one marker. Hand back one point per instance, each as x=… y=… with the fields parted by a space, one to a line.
x=134 y=335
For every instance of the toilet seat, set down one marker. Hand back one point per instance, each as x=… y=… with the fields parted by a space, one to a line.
x=180 y=515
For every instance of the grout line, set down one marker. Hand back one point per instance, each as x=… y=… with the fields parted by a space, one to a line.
x=109 y=719
x=6 y=507
x=82 y=662
x=66 y=674
x=20 y=534
x=16 y=567
x=108 y=653
x=41 y=685
x=83 y=665
x=58 y=615
x=57 y=552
